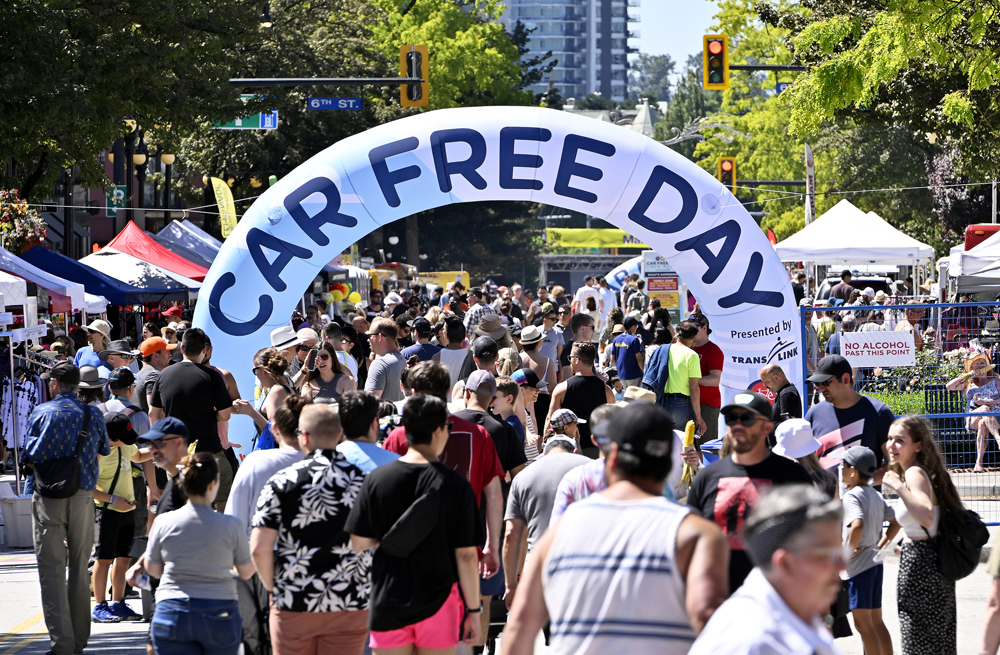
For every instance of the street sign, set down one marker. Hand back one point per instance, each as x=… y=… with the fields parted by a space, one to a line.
x=115 y=200
x=263 y=121
x=781 y=86
x=335 y=104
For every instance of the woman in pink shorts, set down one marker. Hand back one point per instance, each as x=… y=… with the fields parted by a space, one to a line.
x=422 y=518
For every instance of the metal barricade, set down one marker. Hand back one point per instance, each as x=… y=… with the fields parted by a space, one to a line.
x=936 y=387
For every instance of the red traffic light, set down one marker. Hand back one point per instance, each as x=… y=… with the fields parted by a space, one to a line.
x=727 y=165
x=715 y=47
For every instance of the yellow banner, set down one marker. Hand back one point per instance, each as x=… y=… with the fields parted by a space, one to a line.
x=592 y=238
x=227 y=209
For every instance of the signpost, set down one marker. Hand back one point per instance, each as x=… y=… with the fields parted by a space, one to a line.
x=781 y=86
x=115 y=200
x=663 y=284
x=335 y=104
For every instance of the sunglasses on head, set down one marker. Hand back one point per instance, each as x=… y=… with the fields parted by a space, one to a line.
x=747 y=420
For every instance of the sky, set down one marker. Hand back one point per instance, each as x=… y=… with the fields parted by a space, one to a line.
x=674 y=27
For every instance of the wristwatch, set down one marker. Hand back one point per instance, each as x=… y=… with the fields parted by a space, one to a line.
x=475 y=611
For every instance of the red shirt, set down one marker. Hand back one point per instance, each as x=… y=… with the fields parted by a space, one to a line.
x=470 y=451
x=712 y=359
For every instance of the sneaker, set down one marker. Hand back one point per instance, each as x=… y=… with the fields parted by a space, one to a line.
x=124 y=612
x=102 y=614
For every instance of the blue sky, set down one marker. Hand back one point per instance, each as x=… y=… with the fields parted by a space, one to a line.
x=674 y=27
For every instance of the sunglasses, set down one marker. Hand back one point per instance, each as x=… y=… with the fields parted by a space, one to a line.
x=824 y=384
x=322 y=358
x=302 y=348
x=746 y=420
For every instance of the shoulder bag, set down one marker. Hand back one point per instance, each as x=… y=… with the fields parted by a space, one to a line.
x=60 y=478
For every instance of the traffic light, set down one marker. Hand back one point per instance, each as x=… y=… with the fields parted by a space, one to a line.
x=715 y=62
x=413 y=63
x=727 y=173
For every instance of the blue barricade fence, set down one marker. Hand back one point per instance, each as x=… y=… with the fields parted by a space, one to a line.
x=943 y=385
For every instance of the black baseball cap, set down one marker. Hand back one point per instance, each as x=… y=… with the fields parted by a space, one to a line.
x=630 y=322
x=421 y=326
x=485 y=347
x=121 y=378
x=830 y=366
x=750 y=400
x=64 y=372
x=643 y=429
x=700 y=320
x=120 y=428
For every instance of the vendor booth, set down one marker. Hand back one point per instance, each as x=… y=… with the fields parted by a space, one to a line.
x=135 y=242
x=142 y=274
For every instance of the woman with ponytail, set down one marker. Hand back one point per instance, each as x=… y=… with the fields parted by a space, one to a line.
x=193 y=551
x=925 y=598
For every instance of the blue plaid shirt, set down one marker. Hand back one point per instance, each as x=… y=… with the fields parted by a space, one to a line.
x=53 y=430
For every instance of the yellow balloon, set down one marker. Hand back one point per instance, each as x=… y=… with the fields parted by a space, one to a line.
x=355 y=297
x=328 y=297
x=337 y=295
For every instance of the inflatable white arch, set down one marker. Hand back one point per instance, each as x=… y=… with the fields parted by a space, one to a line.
x=503 y=153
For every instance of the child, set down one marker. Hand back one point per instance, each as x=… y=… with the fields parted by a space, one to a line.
x=564 y=421
x=864 y=512
x=115 y=497
x=505 y=406
x=616 y=385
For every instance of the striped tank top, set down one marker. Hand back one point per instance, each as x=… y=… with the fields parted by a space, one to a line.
x=611 y=580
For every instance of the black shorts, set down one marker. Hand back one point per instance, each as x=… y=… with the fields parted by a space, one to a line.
x=117 y=532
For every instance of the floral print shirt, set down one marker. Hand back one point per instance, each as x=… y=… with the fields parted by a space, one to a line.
x=315 y=569
x=988 y=391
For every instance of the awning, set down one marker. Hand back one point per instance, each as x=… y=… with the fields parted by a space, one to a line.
x=93 y=281
x=135 y=242
x=96 y=304
x=13 y=288
x=22 y=268
x=182 y=251
x=183 y=234
x=142 y=274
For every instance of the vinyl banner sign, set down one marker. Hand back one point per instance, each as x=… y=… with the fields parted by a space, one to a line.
x=476 y=154
x=869 y=349
x=591 y=238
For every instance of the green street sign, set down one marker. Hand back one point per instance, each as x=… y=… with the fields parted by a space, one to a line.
x=116 y=200
x=262 y=121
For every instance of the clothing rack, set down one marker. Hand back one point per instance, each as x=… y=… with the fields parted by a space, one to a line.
x=31 y=358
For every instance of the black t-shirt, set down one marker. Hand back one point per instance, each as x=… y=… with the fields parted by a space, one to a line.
x=408 y=589
x=173 y=497
x=787 y=404
x=508 y=445
x=584 y=394
x=194 y=393
x=725 y=492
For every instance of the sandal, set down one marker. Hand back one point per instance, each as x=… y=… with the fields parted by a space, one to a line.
x=978 y=469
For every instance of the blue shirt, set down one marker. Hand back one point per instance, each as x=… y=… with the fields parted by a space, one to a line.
x=423 y=351
x=87 y=357
x=515 y=423
x=53 y=430
x=626 y=347
x=366 y=456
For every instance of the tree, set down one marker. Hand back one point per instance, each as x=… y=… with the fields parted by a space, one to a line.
x=71 y=70
x=690 y=101
x=649 y=76
x=552 y=98
x=929 y=65
x=595 y=101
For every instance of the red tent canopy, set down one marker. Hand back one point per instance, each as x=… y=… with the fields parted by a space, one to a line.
x=135 y=242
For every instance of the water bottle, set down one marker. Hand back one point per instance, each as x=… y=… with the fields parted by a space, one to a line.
x=142 y=581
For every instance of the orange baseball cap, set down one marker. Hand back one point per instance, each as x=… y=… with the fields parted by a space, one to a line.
x=155 y=344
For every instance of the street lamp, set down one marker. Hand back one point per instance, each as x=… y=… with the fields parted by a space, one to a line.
x=265 y=16
x=130 y=139
x=168 y=161
x=140 y=158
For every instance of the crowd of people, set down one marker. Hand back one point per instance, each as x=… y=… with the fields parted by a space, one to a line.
x=428 y=471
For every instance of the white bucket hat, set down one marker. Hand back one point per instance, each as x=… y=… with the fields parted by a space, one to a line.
x=795 y=438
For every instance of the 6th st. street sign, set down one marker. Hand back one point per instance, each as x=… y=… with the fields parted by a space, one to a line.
x=335 y=104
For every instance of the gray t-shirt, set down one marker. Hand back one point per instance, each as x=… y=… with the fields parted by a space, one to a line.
x=552 y=339
x=144 y=386
x=255 y=471
x=533 y=491
x=198 y=548
x=864 y=503
x=383 y=375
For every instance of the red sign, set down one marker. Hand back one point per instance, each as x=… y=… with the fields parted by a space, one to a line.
x=661 y=284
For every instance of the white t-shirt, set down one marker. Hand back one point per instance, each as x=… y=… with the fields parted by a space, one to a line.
x=255 y=471
x=585 y=292
x=610 y=300
x=347 y=360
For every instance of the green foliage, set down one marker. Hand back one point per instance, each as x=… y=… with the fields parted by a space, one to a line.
x=552 y=98
x=690 y=101
x=901 y=403
x=473 y=60
x=595 y=101
x=649 y=76
x=71 y=70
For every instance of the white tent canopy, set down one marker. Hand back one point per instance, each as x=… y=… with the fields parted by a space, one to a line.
x=96 y=304
x=13 y=288
x=847 y=235
x=978 y=269
x=137 y=272
x=13 y=264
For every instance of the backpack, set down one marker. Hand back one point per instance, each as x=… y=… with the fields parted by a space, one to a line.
x=961 y=537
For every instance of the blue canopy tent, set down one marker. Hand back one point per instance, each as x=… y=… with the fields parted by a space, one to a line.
x=95 y=282
x=180 y=250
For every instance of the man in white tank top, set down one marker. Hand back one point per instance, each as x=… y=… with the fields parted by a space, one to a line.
x=624 y=570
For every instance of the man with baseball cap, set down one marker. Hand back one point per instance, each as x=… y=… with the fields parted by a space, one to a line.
x=155 y=353
x=64 y=527
x=482 y=356
x=421 y=347
x=847 y=418
x=603 y=562
x=728 y=489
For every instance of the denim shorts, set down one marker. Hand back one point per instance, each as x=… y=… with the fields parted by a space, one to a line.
x=865 y=589
x=191 y=625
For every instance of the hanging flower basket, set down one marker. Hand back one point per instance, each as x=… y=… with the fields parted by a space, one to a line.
x=21 y=226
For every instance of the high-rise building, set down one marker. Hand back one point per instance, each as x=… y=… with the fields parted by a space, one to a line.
x=589 y=38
